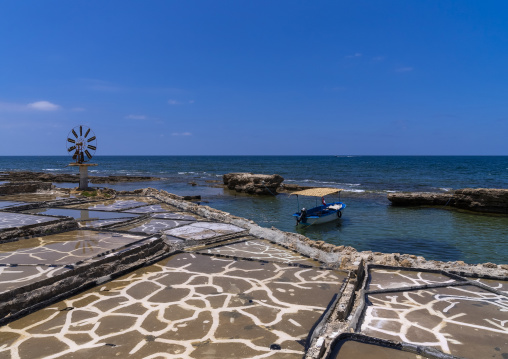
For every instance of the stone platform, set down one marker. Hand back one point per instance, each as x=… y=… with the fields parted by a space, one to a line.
x=151 y=275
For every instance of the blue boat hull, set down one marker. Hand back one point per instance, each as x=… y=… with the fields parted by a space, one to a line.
x=321 y=214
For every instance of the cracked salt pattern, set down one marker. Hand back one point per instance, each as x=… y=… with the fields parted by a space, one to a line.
x=154 y=208
x=399 y=278
x=204 y=230
x=153 y=225
x=183 y=215
x=115 y=204
x=14 y=220
x=15 y=277
x=262 y=250
x=186 y=306
x=63 y=248
x=448 y=319
x=79 y=214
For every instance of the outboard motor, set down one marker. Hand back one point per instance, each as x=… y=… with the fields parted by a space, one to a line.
x=303 y=216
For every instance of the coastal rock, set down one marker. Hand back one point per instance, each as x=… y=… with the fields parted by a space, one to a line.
x=419 y=199
x=24 y=176
x=25 y=187
x=338 y=248
x=405 y=263
x=192 y=198
x=328 y=247
x=490 y=265
x=487 y=200
x=253 y=183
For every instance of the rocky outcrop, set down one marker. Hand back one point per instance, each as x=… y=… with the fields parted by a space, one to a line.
x=17 y=176
x=253 y=183
x=25 y=187
x=486 y=200
x=419 y=198
x=482 y=200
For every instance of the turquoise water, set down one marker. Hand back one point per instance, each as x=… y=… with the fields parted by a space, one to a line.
x=368 y=223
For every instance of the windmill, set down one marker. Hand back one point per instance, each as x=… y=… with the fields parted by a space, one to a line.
x=81 y=146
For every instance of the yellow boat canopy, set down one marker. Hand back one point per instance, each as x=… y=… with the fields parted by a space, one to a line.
x=317 y=192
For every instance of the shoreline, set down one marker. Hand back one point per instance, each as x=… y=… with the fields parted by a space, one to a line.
x=345 y=255
x=359 y=229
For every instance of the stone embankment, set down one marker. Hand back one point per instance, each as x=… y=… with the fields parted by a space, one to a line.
x=486 y=200
x=25 y=176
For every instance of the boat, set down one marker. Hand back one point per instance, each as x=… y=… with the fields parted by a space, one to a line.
x=324 y=213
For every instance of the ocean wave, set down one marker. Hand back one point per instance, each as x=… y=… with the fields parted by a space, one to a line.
x=326 y=182
x=52 y=169
x=199 y=173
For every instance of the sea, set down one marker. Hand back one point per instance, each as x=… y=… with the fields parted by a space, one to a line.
x=369 y=222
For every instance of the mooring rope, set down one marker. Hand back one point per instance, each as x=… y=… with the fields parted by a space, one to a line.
x=263 y=183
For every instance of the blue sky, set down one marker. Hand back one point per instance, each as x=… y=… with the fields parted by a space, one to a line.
x=255 y=77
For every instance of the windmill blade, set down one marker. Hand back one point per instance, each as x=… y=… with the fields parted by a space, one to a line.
x=74 y=133
x=91 y=139
x=81 y=130
x=71 y=140
x=88 y=154
x=87 y=132
x=71 y=148
x=92 y=147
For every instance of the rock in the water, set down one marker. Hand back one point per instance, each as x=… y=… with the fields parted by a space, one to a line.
x=419 y=198
x=192 y=198
x=488 y=200
x=253 y=183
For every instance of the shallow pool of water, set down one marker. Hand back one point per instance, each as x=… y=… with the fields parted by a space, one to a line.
x=373 y=224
